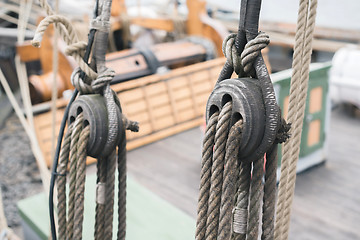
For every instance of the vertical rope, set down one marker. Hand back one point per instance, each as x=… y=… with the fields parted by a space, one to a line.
x=80 y=182
x=300 y=116
x=122 y=187
x=109 y=195
x=75 y=135
x=241 y=209
x=298 y=92
x=269 y=198
x=231 y=174
x=205 y=175
x=256 y=190
x=54 y=95
x=222 y=130
x=295 y=85
x=61 y=184
x=100 y=206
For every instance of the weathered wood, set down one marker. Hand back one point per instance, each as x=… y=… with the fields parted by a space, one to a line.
x=164 y=104
x=326 y=204
x=325 y=39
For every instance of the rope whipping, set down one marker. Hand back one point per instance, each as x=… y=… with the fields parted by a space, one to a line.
x=297 y=103
x=237 y=194
x=105 y=130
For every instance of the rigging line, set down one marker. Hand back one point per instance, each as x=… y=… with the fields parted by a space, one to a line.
x=62 y=128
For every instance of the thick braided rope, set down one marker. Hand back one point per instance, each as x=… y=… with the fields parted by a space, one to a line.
x=296 y=116
x=80 y=182
x=109 y=195
x=300 y=116
x=75 y=135
x=256 y=190
x=253 y=49
x=205 y=175
x=222 y=130
x=269 y=198
x=240 y=212
x=295 y=85
x=231 y=175
x=100 y=205
x=61 y=183
x=69 y=37
x=122 y=186
x=231 y=54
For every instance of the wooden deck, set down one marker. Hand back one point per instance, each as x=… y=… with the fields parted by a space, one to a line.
x=327 y=199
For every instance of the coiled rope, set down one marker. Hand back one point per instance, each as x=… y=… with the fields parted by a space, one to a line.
x=297 y=102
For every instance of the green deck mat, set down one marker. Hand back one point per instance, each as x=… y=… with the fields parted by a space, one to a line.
x=148 y=216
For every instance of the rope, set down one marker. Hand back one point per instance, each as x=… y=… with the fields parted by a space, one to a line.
x=244 y=62
x=269 y=198
x=61 y=183
x=109 y=194
x=75 y=135
x=207 y=155
x=122 y=183
x=222 y=129
x=298 y=92
x=256 y=190
x=240 y=213
x=70 y=38
x=232 y=191
x=100 y=200
x=231 y=174
x=80 y=181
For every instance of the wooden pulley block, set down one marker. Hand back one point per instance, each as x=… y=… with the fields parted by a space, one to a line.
x=247 y=104
x=95 y=114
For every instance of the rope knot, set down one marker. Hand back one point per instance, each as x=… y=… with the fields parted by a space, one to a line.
x=253 y=49
x=76 y=48
x=283 y=133
x=230 y=52
x=103 y=79
x=83 y=86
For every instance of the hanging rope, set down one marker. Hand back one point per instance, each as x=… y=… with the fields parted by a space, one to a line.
x=297 y=102
x=243 y=125
x=96 y=128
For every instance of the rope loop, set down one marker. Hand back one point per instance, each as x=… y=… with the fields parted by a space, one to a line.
x=68 y=34
x=230 y=52
x=76 y=48
x=103 y=79
x=82 y=86
x=253 y=49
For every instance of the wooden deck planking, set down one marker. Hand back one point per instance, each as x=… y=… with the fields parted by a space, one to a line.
x=327 y=200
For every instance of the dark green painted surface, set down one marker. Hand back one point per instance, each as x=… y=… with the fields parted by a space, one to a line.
x=148 y=216
x=318 y=77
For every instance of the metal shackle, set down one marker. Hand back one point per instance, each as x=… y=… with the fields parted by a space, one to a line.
x=247 y=104
x=95 y=114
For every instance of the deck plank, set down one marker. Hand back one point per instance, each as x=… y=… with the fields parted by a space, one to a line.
x=326 y=203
